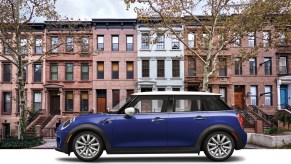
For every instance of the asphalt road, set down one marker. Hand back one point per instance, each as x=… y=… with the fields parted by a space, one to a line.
x=44 y=156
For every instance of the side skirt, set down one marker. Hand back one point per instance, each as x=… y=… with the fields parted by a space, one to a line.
x=152 y=150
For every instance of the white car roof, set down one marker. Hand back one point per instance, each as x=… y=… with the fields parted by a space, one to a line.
x=160 y=93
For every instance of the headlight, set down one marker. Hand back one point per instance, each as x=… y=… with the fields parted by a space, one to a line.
x=67 y=123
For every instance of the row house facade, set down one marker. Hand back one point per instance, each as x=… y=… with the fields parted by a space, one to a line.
x=159 y=60
x=102 y=62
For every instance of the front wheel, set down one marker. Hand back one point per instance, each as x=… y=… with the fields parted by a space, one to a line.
x=88 y=146
x=218 y=146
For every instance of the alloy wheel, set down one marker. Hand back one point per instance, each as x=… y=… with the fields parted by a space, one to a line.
x=219 y=146
x=87 y=146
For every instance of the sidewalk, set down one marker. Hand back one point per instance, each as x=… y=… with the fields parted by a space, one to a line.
x=51 y=144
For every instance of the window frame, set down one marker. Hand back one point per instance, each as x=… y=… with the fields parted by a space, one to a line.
x=127 y=44
x=85 y=76
x=238 y=69
x=114 y=73
x=268 y=65
x=268 y=95
x=223 y=70
x=176 y=68
x=35 y=77
x=85 y=44
x=145 y=70
x=9 y=65
x=255 y=95
x=117 y=101
x=160 y=41
x=129 y=73
x=283 y=66
x=191 y=43
x=145 y=41
x=4 y=110
x=161 y=68
x=54 y=73
x=253 y=68
x=252 y=39
x=66 y=101
x=54 y=44
x=67 y=73
x=266 y=38
x=175 y=42
x=223 y=96
x=82 y=101
x=34 y=92
x=112 y=43
x=69 y=45
x=100 y=74
x=36 y=46
x=99 y=47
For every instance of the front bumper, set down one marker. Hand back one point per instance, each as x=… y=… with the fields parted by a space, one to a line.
x=62 y=139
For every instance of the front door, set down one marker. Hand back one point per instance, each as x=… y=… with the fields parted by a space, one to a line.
x=239 y=96
x=283 y=97
x=101 y=101
x=146 y=128
x=55 y=105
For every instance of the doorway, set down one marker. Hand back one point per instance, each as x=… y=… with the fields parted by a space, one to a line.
x=6 y=130
x=239 y=96
x=283 y=96
x=101 y=100
x=54 y=102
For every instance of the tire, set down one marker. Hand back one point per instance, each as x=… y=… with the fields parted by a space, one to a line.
x=218 y=146
x=88 y=146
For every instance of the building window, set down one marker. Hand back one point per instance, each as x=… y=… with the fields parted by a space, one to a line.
x=54 y=42
x=129 y=70
x=191 y=40
x=223 y=68
x=115 y=44
x=254 y=95
x=100 y=42
x=129 y=92
x=191 y=67
x=268 y=66
x=268 y=95
x=266 y=38
x=70 y=44
x=100 y=70
x=7 y=50
x=238 y=66
x=23 y=46
x=161 y=68
x=37 y=100
x=176 y=68
x=84 y=71
x=69 y=71
x=175 y=43
x=145 y=68
x=283 y=65
x=145 y=41
x=7 y=103
x=38 y=46
x=206 y=40
x=115 y=97
x=115 y=70
x=69 y=101
x=54 y=71
x=253 y=66
x=37 y=73
x=223 y=92
x=129 y=43
x=84 y=101
x=252 y=39
x=161 y=42
x=6 y=72
x=221 y=41
x=85 y=44
x=282 y=38
x=237 y=42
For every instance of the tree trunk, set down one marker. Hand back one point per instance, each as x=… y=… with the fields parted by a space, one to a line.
x=21 y=101
x=205 y=77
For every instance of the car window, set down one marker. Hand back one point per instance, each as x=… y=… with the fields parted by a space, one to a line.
x=187 y=103
x=149 y=104
x=213 y=103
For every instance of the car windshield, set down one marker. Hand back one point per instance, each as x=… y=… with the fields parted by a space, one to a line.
x=120 y=104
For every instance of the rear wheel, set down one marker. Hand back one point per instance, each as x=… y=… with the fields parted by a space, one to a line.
x=88 y=146
x=218 y=146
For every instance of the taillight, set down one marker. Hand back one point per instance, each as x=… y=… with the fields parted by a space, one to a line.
x=240 y=120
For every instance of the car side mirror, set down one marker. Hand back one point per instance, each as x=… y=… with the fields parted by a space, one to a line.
x=129 y=111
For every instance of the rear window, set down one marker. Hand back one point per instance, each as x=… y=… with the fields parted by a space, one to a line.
x=213 y=103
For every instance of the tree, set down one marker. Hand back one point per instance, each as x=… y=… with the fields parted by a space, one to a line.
x=220 y=23
x=17 y=22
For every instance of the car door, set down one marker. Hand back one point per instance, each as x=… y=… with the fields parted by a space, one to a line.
x=147 y=128
x=186 y=121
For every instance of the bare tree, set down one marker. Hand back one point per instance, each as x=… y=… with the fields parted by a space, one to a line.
x=17 y=22
x=219 y=23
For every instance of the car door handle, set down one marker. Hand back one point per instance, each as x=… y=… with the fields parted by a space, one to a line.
x=158 y=120
x=199 y=118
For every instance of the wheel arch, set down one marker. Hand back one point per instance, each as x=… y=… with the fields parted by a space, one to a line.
x=81 y=128
x=227 y=129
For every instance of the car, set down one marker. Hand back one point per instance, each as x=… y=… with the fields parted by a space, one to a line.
x=156 y=122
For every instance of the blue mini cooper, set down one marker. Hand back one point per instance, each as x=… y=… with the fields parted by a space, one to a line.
x=156 y=122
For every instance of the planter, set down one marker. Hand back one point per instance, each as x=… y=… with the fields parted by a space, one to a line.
x=269 y=141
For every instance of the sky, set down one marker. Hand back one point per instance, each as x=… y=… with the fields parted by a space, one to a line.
x=88 y=9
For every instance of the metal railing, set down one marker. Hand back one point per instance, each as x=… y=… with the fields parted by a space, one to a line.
x=245 y=115
x=32 y=117
x=268 y=119
x=48 y=133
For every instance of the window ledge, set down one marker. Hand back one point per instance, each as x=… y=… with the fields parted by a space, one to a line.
x=37 y=54
x=145 y=78
x=53 y=81
x=176 y=78
x=6 y=82
x=68 y=81
x=144 y=50
x=160 y=50
x=161 y=78
x=6 y=113
x=175 y=50
x=36 y=82
x=84 y=81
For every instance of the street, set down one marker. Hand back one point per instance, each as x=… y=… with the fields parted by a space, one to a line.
x=37 y=156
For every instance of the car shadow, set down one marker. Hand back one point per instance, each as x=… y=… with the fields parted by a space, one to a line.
x=152 y=159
